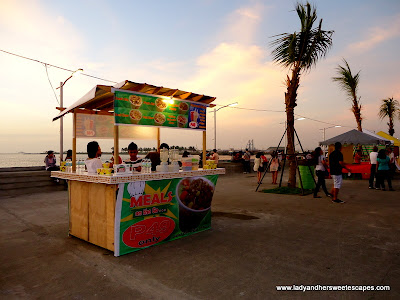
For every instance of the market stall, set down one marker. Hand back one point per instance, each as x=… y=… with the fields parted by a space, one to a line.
x=126 y=211
x=353 y=140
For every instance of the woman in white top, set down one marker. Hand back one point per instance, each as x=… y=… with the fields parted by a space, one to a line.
x=320 y=171
x=93 y=161
x=274 y=167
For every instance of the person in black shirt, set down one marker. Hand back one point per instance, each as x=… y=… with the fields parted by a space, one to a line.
x=336 y=165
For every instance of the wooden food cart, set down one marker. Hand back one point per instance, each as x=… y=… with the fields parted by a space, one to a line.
x=129 y=212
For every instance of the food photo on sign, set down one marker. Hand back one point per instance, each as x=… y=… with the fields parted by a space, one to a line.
x=142 y=109
x=152 y=212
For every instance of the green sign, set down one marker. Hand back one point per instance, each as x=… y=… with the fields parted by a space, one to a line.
x=153 y=212
x=147 y=110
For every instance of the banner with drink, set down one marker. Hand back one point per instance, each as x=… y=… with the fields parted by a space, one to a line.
x=150 y=110
x=153 y=212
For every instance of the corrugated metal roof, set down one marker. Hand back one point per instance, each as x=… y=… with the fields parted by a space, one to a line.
x=100 y=99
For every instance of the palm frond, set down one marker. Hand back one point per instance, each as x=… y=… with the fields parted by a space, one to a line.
x=389 y=108
x=347 y=81
x=304 y=48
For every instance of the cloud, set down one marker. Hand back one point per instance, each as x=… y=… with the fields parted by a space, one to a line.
x=377 y=35
x=242 y=24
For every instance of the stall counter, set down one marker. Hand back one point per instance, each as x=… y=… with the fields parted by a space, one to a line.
x=126 y=213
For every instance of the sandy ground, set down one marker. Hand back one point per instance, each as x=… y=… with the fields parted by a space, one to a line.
x=258 y=241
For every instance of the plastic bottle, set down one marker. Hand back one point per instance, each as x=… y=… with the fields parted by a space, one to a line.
x=143 y=166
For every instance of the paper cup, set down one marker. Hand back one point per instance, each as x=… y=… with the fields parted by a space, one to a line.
x=161 y=105
x=183 y=107
x=159 y=119
x=182 y=121
x=135 y=115
x=136 y=101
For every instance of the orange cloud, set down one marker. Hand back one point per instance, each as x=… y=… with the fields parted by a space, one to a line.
x=377 y=35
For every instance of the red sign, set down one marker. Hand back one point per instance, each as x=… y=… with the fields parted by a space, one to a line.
x=148 y=232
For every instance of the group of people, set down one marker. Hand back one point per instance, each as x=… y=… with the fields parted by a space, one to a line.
x=382 y=167
x=261 y=163
x=93 y=162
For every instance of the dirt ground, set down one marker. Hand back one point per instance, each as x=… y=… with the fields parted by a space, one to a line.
x=257 y=241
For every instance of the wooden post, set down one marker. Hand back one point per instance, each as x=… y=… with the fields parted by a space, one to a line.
x=116 y=144
x=158 y=138
x=74 y=143
x=204 y=147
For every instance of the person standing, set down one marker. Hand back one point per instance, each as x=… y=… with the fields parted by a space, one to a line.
x=320 y=170
x=155 y=156
x=246 y=161
x=383 y=170
x=274 y=167
x=336 y=165
x=392 y=165
x=134 y=160
x=69 y=155
x=258 y=166
x=112 y=159
x=214 y=156
x=93 y=161
x=373 y=160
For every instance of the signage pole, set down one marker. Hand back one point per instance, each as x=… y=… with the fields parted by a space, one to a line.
x=61 y=123
x=215 y=128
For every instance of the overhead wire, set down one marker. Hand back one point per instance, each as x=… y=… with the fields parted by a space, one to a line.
x=55 y=95
x=282 y=111
x=61 y=68
x=95 y=77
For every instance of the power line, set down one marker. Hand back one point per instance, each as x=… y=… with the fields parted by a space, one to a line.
x=61 y=68
x=282 y=111
x=55 y=95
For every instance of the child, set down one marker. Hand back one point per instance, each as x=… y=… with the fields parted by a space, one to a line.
x=133 y=159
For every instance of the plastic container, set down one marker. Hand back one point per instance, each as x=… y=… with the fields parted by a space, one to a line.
x=187 y=164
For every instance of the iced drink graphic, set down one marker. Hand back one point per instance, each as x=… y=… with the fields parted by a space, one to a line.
x=89 y=127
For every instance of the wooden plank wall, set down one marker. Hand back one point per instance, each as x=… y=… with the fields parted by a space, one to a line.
x=92 y=210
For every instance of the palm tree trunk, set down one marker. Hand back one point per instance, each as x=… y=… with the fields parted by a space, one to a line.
x=391 y=129
x=357 y=113
x=290 y=101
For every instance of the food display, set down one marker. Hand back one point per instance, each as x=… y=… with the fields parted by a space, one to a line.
x=160 y=104
x=136 y=101
x=183 y=107
x=105 y=171
x=159 y=119
x=135 y=115
x=150 y=110
x=210 y=164
x=182 y=121
x=196 y=193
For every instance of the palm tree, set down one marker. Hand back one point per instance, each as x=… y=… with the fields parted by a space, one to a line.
x=299 y=52
x=389 y=108
x=349 y=84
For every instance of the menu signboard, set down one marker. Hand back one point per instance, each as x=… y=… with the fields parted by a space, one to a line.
x=151 y=110
x=153 y=212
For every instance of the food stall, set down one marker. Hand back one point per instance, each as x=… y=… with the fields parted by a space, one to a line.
x=351 y=141
x=127 y=211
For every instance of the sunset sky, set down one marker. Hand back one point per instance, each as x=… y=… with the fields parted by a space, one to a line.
x=216 y=48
